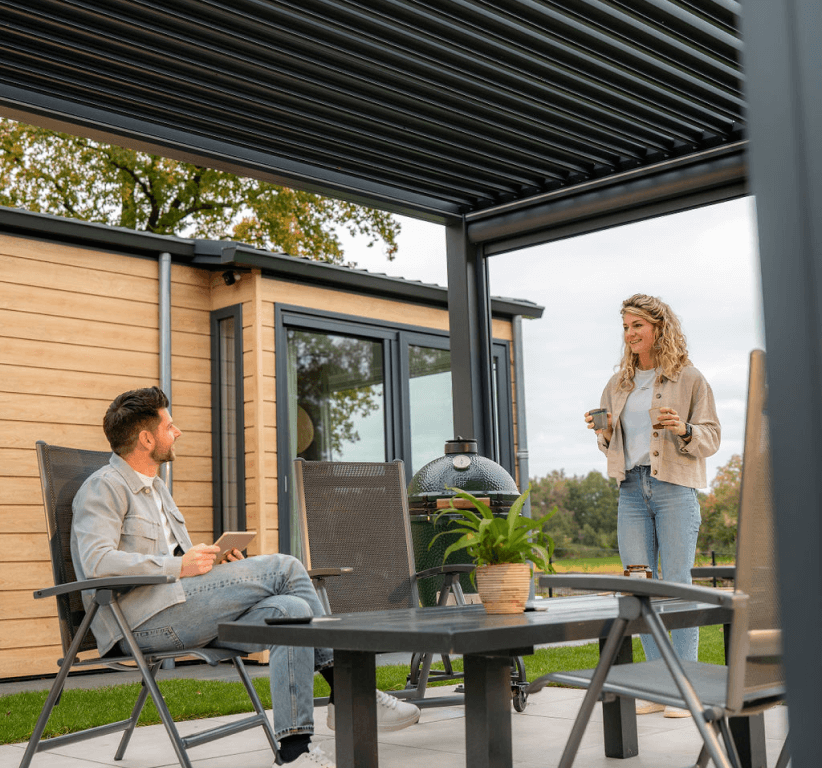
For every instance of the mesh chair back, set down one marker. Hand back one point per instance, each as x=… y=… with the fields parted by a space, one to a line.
x=62 y=472
x=356 y=514
x=757 y=569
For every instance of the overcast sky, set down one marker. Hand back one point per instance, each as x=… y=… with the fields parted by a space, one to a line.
x=703 y=263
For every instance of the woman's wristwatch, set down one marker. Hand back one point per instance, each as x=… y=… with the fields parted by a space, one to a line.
x=689 y=431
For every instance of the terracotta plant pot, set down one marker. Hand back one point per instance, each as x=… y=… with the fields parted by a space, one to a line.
x=504 y=588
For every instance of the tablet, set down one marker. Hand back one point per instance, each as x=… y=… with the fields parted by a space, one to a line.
x=233 y=540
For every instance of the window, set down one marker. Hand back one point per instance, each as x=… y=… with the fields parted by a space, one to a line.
x=354 y=390
x=227 y=432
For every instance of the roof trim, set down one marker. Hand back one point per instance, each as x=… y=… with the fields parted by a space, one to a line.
x=216 y=255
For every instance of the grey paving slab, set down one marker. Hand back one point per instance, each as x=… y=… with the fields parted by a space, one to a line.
x=438 y=740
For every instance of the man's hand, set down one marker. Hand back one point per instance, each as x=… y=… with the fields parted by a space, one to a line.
x=232 y=555
x=198 y=560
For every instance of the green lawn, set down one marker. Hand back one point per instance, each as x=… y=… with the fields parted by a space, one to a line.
x=192 y=699
x=614 y=565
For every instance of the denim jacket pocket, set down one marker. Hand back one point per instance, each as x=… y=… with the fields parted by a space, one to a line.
x=140 y=535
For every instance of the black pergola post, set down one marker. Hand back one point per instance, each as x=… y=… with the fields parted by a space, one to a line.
x=783 y=63
x=469 y=310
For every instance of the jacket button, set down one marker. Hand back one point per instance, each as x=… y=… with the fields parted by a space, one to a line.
x=656 y=453
x=656 y=434
x=654 y=471
x=658 y=395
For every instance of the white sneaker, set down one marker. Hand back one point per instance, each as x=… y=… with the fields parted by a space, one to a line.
x=316 y=758
x=647 y=707
x=677 y=712
x=392 y=714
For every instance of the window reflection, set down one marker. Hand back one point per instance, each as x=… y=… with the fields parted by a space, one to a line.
x=431 y=410
x=336 y=397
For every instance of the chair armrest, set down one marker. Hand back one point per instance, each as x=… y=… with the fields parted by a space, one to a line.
x=714 y=571
x=645 y=587
x=321 y=573
x=442 y=570
x=112 y=582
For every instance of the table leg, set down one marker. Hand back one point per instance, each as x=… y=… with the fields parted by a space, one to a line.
x=748 y=732
x=355 y=709
x=619 y=716
x=487 y=711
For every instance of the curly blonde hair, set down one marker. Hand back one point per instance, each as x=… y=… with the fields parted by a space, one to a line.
x=670 y=347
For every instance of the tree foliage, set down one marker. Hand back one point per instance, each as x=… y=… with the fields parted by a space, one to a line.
x=720 y=508
x=586 y=508
x=72 y=176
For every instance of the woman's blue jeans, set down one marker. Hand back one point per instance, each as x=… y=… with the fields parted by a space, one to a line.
x=254 y=588
x=660 y=519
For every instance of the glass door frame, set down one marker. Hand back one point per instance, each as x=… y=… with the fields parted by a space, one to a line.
x=396 y=339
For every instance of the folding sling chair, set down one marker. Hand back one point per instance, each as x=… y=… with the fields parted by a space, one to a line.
x=753 y=679
x=62 y=472
x=356 y=513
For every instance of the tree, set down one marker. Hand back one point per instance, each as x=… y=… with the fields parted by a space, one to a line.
x=593 y=500
x=720 y=508
x=586 y=508
x=57 y=173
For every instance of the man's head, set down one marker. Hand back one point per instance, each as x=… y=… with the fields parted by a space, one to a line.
x=140 y=419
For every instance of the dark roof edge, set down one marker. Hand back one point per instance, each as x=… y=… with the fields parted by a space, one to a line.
x=217 y=255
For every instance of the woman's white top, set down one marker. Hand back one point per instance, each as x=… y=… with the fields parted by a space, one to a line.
x=636 y=421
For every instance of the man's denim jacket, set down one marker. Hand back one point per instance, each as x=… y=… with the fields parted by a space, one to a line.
x=117 y=531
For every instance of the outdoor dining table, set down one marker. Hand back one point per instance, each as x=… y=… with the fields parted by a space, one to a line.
x=486 y=644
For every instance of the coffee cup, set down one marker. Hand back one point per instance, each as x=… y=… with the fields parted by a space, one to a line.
x=656 y=417
x=600 y=416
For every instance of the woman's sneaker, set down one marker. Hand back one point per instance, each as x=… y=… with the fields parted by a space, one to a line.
x=647 y=707
x=316 y=758
x=392 y=714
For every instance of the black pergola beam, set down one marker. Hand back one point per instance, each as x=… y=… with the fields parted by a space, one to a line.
x=718 y=175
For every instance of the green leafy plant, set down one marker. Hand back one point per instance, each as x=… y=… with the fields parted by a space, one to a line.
x=490 y=540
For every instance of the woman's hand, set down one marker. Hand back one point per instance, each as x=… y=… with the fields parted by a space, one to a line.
x=670 y=420
x=232 y=555
x=606 y=433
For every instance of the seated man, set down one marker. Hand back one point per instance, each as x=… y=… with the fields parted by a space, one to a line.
x=126 y=524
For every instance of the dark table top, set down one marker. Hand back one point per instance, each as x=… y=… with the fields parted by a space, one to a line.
x=466 y=629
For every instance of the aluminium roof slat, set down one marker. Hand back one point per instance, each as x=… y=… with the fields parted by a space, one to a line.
x=613 y=51
x=469 y=102
x=560 y=161
x=593 y=91
x=145 y=4
x=319 y=45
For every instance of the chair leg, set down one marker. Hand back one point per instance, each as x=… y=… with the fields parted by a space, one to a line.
x=257 y=704
x=784 y=756
x=686 y=690
x=57 y=687
x=135 y=715
x=730 y=744
x=151 y=684
x=606 y=659
x=703 y=758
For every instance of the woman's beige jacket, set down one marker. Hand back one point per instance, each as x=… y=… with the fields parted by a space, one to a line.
x=672 y=459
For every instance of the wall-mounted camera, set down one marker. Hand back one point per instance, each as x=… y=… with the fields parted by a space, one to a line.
x=230 y=277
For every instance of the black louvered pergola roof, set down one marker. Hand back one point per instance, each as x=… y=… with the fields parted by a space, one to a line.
x=508 y=113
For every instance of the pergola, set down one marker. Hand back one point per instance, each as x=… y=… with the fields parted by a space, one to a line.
x=511 y=123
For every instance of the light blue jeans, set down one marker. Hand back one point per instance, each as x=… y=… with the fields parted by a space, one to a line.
x=658 y=518
x=254 y=588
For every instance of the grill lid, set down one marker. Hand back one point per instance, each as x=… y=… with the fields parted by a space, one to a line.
x=461 y=467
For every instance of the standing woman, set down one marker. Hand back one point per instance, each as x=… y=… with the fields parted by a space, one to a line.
x=660 y=464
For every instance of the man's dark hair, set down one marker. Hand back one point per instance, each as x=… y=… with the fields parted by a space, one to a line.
x=130 y=414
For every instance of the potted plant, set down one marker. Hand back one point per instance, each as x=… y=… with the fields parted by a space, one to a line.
x=503 y=549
